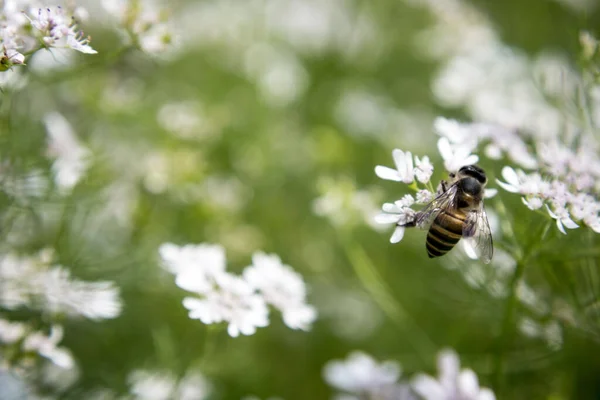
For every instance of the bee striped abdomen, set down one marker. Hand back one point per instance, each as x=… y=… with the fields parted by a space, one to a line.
x=444 y=233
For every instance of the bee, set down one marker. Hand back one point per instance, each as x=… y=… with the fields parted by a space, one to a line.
x=457 y=212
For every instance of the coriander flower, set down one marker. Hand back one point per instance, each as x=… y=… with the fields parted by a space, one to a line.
x=233 y=301
x=424 y=169
x=361 y=374
x=46 y=347
x=281 y=287
x=563 y=219
x=59 y=30
x=157 y=385
x=151 y=385
x=11 y=332
x=398 y=213
x=70 y=157
x=195 y=266
x=455 y=156
x=33 y=282
x=424 y=196
x=452 y=384
x=404 y=171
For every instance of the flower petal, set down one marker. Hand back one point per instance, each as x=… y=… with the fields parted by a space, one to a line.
x=387 y=173
x=386 y=218
x=398 y=234
x=507 y=186
x=510 y=175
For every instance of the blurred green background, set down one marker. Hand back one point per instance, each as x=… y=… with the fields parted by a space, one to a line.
x=286 y=114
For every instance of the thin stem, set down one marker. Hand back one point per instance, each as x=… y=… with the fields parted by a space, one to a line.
x=373 y=282
x=507 y=330
x=508 y=322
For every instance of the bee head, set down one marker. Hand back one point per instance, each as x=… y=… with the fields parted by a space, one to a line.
x=475 y=172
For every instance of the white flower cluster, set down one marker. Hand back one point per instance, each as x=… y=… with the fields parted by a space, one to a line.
x=33 y=282
x=452 y=382
x=516 y=98
x=144 y=23
x=566 y=179
x=154 y=385
x=362 y=377
x=71 y=159
x=28 y=26
x=241 y=301
x=21 y=335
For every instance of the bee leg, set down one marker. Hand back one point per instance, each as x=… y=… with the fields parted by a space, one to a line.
x=410 y=224
x=442 y=188
x=469 y=229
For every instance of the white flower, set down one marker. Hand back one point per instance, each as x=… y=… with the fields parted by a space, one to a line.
x=46 y=347
x=195 y=266
x=151 y=385
x=424 y=169
x=397 y=213
x=404 y=171
x=361 y=374
x=11 y=332
x=59 y=30
x=157 y=385
x=563 y=219
x=454 y=131
x=193 y=386
x=70 y=157
x=31 y=281
x=455 y=156
x=59 y=293
x=452 y=384
x=233 y=301
x=488 y=193
x=519 y=182
x=281 y=287
x=424 y=196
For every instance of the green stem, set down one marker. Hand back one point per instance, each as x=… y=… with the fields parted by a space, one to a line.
x=507 y=330
x=508 y=322
x=373 y=282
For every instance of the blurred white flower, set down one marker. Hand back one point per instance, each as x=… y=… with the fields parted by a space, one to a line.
x=70 y=157
x=193 y=386
x=282 y=287
x=455 y=156
x=195 y=266
x=46 y=346
x=233 y=301
x=31 y=281
x=148 y=385
x=550 y=332
x=452 y=384
x=63 y=294
x=184 y=119
x=59 y=30
x=161 y=385
x=239 y=301
x=11 y=332
x=361 y=375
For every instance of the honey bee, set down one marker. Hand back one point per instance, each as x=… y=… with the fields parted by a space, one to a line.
x=457 y=211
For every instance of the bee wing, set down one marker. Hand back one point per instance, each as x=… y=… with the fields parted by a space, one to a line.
x=477 y=232
x=444 y=201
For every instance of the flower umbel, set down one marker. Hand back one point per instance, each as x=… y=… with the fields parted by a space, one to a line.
x=241 y=301
x=452 y=383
